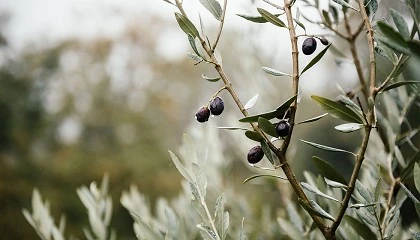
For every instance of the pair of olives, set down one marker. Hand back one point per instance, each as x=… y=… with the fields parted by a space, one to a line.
x=256 y=153
x=216 y=108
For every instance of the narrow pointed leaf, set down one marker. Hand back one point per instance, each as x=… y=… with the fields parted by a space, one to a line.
x=362 y=229
x=371 y=8
x=207 y=233
x=345 y=4
x=275 y=72
x=316 y=59
x=328 y=171
x=213 y=7
x=321 y=212
x=271 y=18
x=334 y=184
x=338 y=110
x=400 y=23
x=312 y=119
x=318 y=192
x=254 y=136
x=299 y=24
x=309 y=209
x=210 y=79
x=195 y=57
x=186 y=25
x=285 y=106
x=267 y=151
x=326 y=148
x=270 y=115
x=392 y=38
x=416 y=172
x=407 y=172
x=416 y=235
x=233 y=128
x=251 y=102
x=267 y=127
x=191 y=40
x=256 y=19
x=348 y=127
x=180 y=167
x=409 y=194
x=263 y=175
x=399 y=84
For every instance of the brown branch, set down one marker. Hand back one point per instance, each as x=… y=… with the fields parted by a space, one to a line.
x=222 y=21
x=295 y=77
x=359 y=160
x=370 y=116
x=352 y=42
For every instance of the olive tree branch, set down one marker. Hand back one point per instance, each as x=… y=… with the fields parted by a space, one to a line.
x=370 y=116
x=222 y=21
x=281 y=155
x=352 y=42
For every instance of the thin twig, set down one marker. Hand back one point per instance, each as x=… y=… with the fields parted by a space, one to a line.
x=222 y=21
x=352 y=42
x=390 y=76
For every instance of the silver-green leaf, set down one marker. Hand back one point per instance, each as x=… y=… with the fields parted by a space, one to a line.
x=213 y=7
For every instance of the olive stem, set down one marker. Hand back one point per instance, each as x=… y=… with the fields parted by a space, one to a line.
x=217 y=93
x=368 y=127
x=281 y=155
x=222 y=21
x=352 y=42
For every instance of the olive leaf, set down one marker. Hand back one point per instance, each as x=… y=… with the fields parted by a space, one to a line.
x=267 y=127
x=271 y=17
x=254 y=136
x=371 y=8
x=316 y=59
x=316 y=191
x=213 y=7
x=392 y=38
x=417 y=176
x=186 y=25
x=312 y=119
x=210 y=79
x=180 y=167
x=348 y=127
x=207 y=233
x=334 y=184
x=267 y=151
x=233 y=128
x=326 y=148
x=270 y=115
x=256 y=19
x=275 y=72
x=399 y=84
x=327 y=170
x=315 y=209
x=299 y=24
x=345 y=4
x=400 y=23
x=338 y=110
x=251 y=102
x=360 y=228
x=263 y=175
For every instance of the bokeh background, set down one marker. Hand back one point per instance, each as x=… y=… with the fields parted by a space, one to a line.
x=89 y=87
